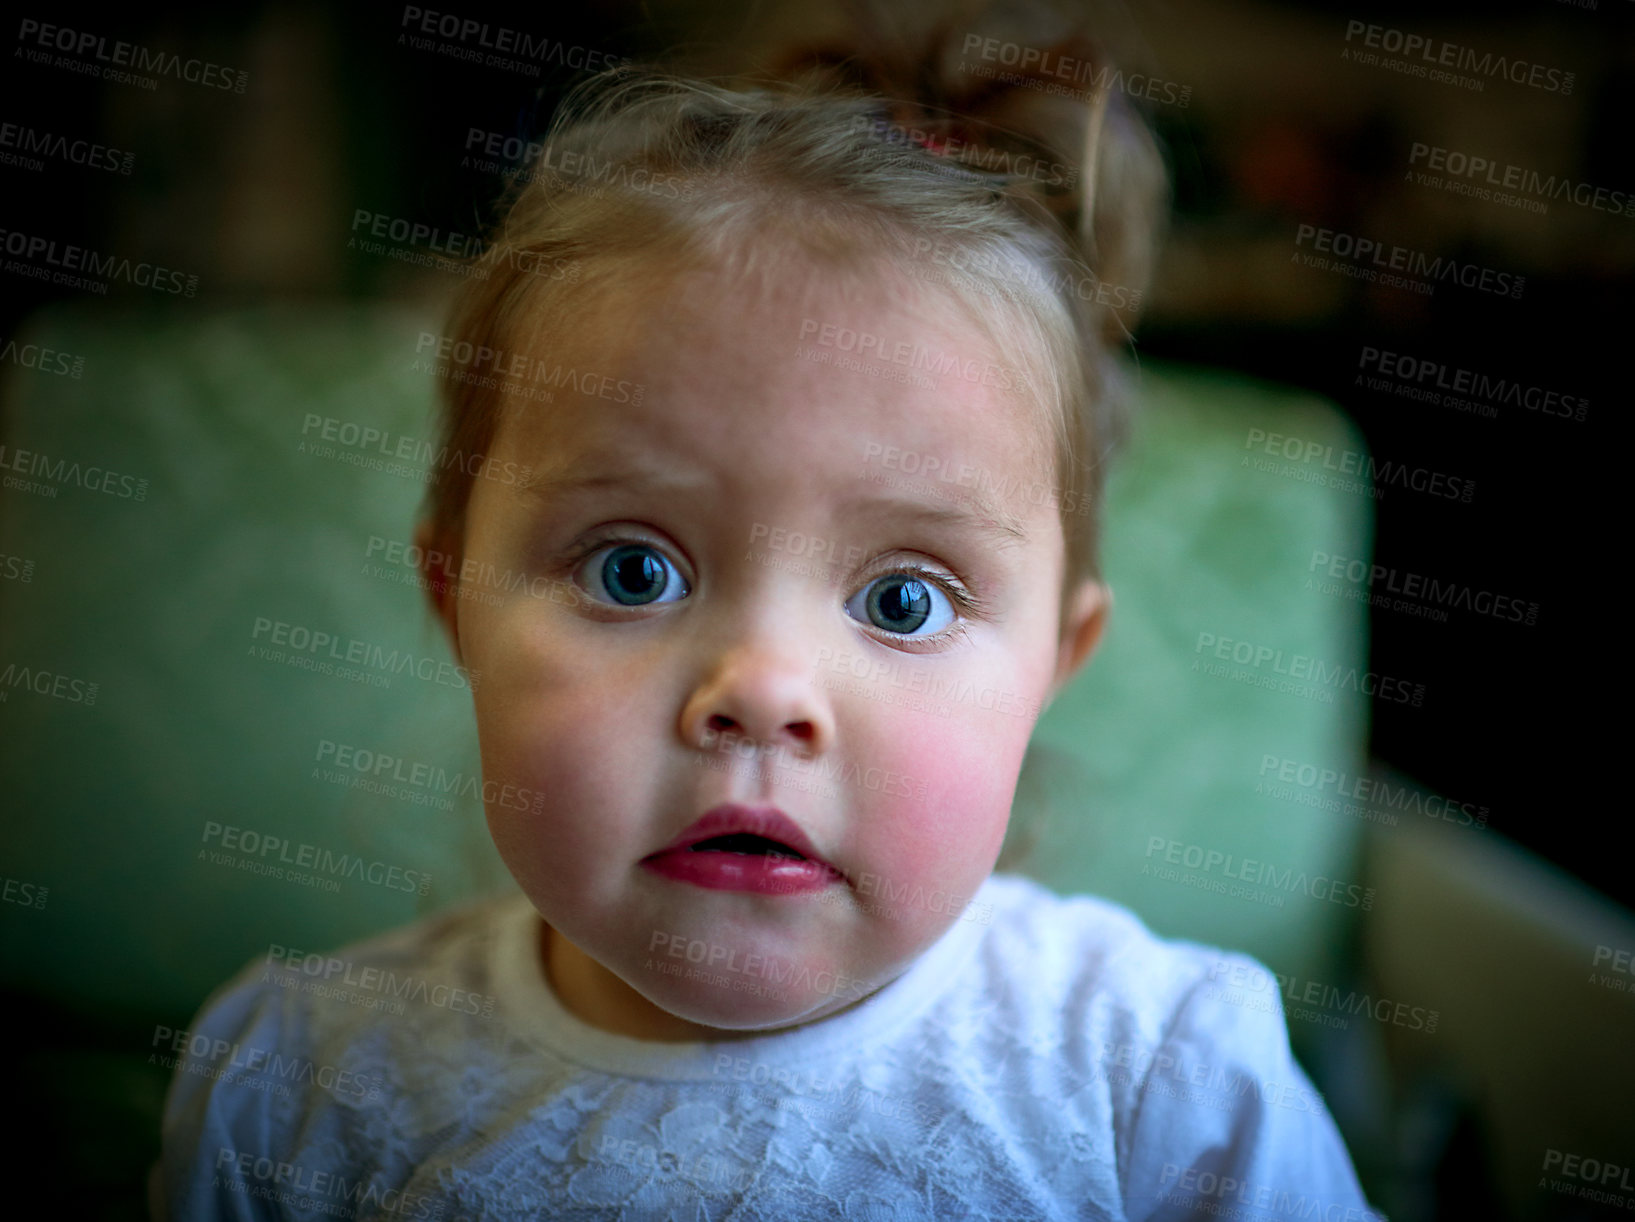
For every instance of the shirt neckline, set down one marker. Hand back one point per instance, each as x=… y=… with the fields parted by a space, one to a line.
x=530 y=1007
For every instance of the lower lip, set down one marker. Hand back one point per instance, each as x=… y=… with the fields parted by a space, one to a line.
x=762 y=875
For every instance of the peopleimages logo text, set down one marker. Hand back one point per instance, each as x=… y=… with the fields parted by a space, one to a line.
x=1388 y=255
x=1440 y=53
x=84 y=44
x=67 y=257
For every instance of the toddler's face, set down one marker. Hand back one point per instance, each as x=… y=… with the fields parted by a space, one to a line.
x=780 y=694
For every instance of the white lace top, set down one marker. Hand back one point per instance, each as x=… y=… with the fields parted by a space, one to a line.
x=1054 y=1061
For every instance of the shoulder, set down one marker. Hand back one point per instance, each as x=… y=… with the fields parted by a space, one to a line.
x=395 y=980
x=1081 y=951
x=1087 y=978
x=300 y=1046
x=1193 y=1076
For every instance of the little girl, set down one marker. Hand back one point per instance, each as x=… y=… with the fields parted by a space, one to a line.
x=808 y=543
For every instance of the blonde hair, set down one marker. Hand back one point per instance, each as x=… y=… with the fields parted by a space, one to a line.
x=1053 y=262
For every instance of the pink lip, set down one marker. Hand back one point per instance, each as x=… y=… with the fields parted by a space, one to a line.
x=724 y=871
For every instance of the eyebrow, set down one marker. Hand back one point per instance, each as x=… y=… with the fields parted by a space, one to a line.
x=973 y=514
x=540 y=485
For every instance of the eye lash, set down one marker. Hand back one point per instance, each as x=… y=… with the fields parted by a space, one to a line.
x=568 y=563
x=597 y=542
x=579 y=551
x=970 y=604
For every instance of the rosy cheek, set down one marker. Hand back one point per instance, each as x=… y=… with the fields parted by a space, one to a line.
x=959 y=772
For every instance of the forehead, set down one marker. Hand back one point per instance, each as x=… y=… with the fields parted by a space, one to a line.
x=783 y=377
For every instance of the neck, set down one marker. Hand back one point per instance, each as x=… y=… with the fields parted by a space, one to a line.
x=597 y=997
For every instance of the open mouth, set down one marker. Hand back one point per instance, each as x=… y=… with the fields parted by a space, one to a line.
x=748 y=844
x=757 y=849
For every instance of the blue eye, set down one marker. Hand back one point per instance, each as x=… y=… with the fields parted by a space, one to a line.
x=634 y=574
x=904 y=604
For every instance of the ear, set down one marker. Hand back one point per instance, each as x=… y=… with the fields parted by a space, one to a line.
x=441 y=589
x=1082 y=623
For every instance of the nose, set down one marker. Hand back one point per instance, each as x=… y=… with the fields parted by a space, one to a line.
x=767 y=696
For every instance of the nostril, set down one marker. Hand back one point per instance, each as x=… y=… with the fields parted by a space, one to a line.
x=720 y=722
x=803 y=730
